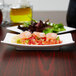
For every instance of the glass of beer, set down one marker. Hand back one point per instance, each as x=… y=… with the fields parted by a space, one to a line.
x=20 y=14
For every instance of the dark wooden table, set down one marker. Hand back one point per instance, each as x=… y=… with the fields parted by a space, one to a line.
x=39 y=63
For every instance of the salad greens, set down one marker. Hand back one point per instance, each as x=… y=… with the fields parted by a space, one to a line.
x=41 y=26
x=55 y=28
x=26 y=24
x=34 y=20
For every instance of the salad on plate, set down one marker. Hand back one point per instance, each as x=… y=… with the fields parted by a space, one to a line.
x=41 y=26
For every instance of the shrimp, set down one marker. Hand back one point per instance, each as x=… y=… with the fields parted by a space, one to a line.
x=38 y=34
x=25 y=35
x=51 y=36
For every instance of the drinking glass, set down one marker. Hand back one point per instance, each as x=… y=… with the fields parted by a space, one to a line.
x=4 y=13
x=20 y=13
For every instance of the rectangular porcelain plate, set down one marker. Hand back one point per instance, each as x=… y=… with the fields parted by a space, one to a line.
x=66 y=38
x=15 y=29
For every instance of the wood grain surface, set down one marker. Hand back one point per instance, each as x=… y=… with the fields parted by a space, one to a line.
x=61 y=62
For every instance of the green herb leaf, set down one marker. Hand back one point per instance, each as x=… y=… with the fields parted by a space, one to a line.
x=48 y=30
x=26 y=24
x=34 y=20
x=27 y=41
x=60 y=25
x=57 y=38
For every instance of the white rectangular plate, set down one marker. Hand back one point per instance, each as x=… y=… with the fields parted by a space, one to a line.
x=15 y=29
x=65 y=38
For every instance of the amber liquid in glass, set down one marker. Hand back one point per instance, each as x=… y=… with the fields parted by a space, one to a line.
x=20 y=15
